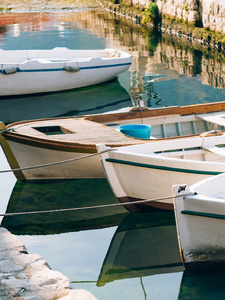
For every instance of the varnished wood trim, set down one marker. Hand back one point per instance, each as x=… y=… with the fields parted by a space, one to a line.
x=9 y=154
x=137 y=112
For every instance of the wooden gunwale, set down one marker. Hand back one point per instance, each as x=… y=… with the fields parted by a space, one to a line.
x=63 y=145
x=82 y=143
x=80 y=147
x=139 y=112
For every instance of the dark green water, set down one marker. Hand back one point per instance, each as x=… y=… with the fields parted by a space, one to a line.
x=112 y=254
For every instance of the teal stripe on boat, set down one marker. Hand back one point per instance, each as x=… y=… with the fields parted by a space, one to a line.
x=141 y=165
x=62 y=69
x=201 y=214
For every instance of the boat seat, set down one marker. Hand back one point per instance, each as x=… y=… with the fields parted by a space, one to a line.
x=214 y=149
x=216 y=118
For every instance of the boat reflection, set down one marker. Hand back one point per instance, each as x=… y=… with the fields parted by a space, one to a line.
x=144 y=244
x=28 y=196
x=205 y=287
x=90 y=100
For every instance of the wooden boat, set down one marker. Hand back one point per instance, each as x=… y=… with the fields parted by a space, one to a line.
x=200 y=219
x=148 y=171
x=143 y=245
x=41 y=71
x=28 y=144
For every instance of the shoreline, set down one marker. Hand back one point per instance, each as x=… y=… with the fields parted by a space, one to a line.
x=16 y=6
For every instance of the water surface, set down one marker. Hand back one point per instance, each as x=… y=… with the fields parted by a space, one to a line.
x=112 y=254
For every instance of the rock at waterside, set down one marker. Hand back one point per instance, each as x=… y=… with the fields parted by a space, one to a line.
x=28 y=276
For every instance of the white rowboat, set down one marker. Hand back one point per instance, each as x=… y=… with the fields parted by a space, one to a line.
x=41 y=71
x=148 y=171
x=200 y=219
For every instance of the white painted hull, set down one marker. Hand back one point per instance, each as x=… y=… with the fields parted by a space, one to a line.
x=28 y=156
x=42 y=71
x=136 y=175
x=200 y=222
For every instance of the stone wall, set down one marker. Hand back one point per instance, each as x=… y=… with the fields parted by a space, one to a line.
x=185 y=10
x=208 y=13
x=28 y=276
x=213 y=15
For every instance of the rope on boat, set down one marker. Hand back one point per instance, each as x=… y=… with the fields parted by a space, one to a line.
x=6 y=129
x=56 y=163
x=92 y=207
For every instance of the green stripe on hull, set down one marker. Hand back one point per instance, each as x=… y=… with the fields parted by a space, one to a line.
x=141 y=165
x=201 y=214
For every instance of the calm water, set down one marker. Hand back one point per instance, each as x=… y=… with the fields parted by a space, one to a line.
x=112 y=254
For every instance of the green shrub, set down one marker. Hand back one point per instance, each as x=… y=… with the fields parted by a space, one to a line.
x=151 y=13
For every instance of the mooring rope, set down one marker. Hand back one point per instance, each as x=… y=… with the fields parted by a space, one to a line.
x=57 y=163
x=93 y=207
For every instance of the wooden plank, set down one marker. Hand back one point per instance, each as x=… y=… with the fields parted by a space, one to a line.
x=135 y=113
x=202 y=108
x=84 y=134
x=216 y=118
x=214 y=149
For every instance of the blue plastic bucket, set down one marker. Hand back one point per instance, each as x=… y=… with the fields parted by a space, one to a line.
x=136 y=130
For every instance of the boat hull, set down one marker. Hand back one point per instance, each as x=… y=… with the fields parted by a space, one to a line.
x=42 y=74
x=30 y=155
x=134 y=177
x=200 y=223
x=140 y=183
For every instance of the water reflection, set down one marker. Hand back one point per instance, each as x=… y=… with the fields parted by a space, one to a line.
x=28 y=196
x=144 y=244
x=94 y=99
x=178 y=63
x=202 y=287
x=15 y=24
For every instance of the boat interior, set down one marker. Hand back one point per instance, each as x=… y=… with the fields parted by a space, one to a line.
x=58 y=53
x=77 y=130
x=176 y=125
x=197 y=151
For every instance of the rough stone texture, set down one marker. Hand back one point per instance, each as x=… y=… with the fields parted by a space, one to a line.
x=210 y=12
x=213 y=15
x=185 y=10
x=28 y=276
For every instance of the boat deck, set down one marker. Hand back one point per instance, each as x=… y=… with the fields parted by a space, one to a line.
x=71 y=130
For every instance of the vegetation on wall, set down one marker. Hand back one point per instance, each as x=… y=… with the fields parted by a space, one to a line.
x=151 y=14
